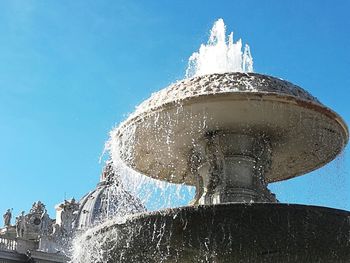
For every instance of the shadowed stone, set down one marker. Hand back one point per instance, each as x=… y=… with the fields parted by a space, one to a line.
x=229 y=233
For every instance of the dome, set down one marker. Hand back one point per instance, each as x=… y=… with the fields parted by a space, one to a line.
x=108 y=200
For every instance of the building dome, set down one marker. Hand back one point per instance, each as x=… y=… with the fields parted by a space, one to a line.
x=108 y=200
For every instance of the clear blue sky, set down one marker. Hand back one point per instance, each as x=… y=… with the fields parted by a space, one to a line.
x=72 y=70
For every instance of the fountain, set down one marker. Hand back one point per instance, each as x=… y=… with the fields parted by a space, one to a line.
x=229 y=134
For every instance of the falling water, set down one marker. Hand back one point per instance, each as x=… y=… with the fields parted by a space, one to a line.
x=220 y=55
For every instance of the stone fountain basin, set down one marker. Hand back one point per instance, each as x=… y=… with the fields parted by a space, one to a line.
x=159 y=139
x=259 y=232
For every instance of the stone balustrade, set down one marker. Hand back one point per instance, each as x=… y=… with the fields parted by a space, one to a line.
x=16 y=250
x=8 y=244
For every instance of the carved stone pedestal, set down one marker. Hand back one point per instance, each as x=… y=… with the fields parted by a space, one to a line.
x=230 y=168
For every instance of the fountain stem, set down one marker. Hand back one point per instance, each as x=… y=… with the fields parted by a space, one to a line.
x=231 y=169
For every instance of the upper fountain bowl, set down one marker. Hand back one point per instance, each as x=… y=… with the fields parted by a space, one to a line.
x=164 y=133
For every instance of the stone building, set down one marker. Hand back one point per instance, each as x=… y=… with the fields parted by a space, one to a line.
x=35 y=237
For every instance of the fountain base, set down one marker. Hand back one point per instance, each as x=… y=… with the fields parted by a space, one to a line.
x=259 y=232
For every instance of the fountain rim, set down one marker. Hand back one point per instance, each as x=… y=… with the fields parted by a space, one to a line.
x=192 y=225
x=174 y=211
x=280 y=97
x=276 y=97
x=272 y=96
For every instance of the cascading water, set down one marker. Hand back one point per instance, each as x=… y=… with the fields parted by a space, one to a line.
x=221 y=54
x=229 y=135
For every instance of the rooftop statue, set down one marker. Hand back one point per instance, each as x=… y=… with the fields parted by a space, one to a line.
x=7 y=218
x=46 y=224
x=21 y=225
x=37 y=207
x=68 y=215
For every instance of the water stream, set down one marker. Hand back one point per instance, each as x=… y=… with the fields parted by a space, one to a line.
x=154 y=138
x=220 y=54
